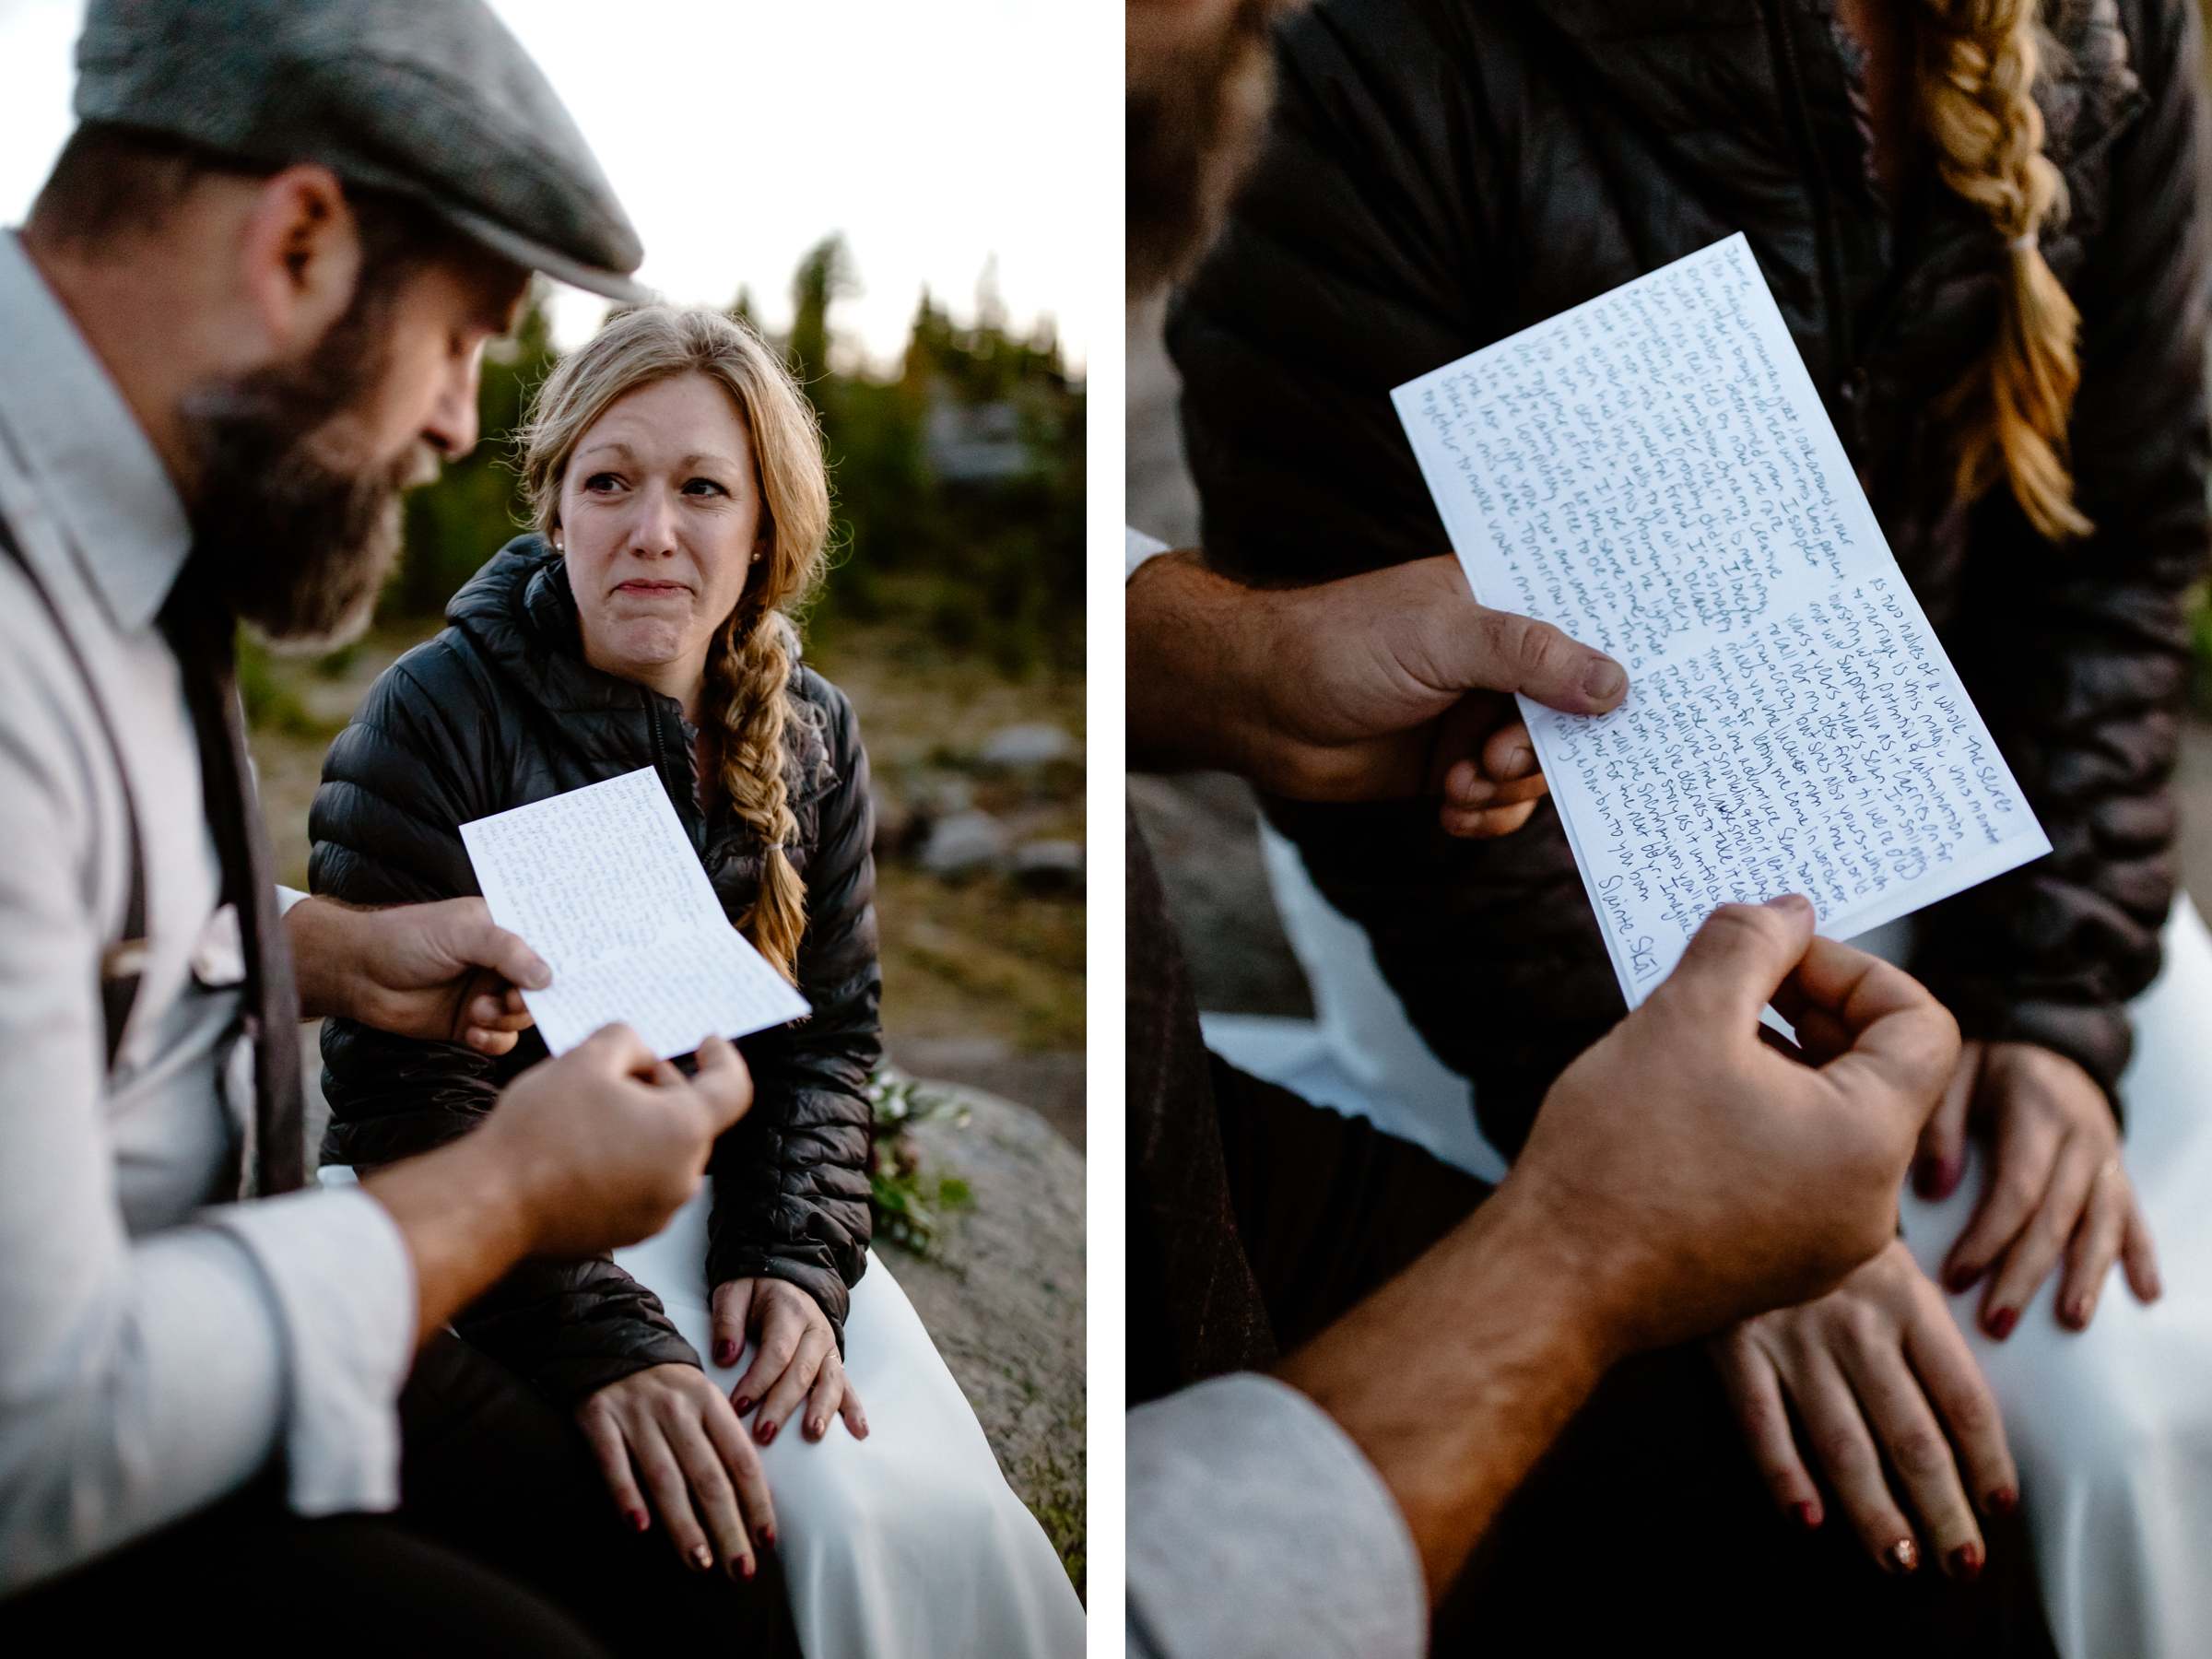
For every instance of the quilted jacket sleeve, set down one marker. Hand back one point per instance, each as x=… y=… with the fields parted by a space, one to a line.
x=2078 y=656
x=396 y=784
x=1355 y=259
x=790 y=1180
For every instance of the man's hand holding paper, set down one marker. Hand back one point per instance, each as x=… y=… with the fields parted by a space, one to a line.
x=1392 y=683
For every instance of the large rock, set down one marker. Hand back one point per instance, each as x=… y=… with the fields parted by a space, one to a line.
x=1003 y=1299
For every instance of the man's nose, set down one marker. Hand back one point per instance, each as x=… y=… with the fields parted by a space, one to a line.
x=451 y=427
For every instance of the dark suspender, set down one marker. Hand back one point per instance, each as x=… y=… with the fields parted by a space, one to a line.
x=122 y=963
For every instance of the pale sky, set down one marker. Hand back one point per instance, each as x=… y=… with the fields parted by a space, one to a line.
x=739 y=133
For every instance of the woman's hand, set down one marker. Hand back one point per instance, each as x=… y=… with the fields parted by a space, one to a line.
x=797 y=1359
x=672 y=1429
x=1493 y=792
x=2056 y=1185
x=1879 y=1373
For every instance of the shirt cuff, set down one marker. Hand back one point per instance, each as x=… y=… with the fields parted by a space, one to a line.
x=1256 y=1527
x=337 y=1270
x=287 y=898
x=1137 y=547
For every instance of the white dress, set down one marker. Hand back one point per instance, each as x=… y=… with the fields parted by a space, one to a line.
x=908 y=1544
x=2111 y=1428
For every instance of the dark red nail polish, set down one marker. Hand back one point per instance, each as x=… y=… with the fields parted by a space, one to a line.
x=2004 y=1500
x=639 y=1519
x=1926 y=1174
x=766 y=1432
x=2002 y=1322
x=725 y=1353
x=1965 y=1561
x=1961 y=1278
x=745 y=1566
x=768 y=1537
x=744 y=1404
x=1809 y=1516
x=2078 y=1312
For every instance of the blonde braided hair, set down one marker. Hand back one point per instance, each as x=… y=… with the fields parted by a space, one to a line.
x=749 y=666
x=1978 y=65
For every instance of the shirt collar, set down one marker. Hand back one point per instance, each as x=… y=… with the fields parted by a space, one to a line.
x=92 y=465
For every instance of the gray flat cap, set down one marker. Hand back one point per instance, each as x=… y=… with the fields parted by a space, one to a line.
x=429 y=99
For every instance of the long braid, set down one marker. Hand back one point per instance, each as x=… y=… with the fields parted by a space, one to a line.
x=750 y=667
x=1978 y=68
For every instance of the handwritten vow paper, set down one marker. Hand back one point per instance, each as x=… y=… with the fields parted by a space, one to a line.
x=602 y=883
x=1653 y=472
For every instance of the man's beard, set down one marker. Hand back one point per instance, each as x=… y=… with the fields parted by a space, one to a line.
x=1192 y=128
x=295 y=546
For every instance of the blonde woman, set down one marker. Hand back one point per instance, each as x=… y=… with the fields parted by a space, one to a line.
x=1983 y=222
x=751 y=1386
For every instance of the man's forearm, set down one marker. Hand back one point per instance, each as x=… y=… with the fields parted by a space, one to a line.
x=466 y=1219
x=1456 y=1376
x=1192 y=640
x=322 y=957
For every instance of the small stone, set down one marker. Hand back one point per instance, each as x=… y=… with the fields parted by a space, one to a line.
x=1033 y=744
x=966 y=844
x=1050 y=866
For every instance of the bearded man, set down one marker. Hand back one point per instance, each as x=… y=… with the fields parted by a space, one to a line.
x=246 y=312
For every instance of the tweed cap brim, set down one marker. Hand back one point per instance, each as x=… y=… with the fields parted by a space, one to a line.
x=433 y=100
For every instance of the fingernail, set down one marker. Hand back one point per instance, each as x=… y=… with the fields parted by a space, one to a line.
x=1960 y=1279
x=537 y=980
x=1928 y=1177
x=1901 y=1557
x=768 y=1537
x=1605 y=680
x=815 y=1428
x=639 y=1519
x=703 y=1557
x=744 y=1402
x=1809 y=1516
x=742 y=1565
x=2002 y=1322
x=766 y=1432
x=1965 y=1562
x=2004 y=1500
x=2078 y=1312
x=725 y=1353
x=1520 y=762
x=1793 y=902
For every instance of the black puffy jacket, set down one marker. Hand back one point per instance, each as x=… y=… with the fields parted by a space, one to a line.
x=500 y=710
x=1441 y=173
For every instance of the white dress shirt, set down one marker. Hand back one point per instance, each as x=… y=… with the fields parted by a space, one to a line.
x=158 y=1344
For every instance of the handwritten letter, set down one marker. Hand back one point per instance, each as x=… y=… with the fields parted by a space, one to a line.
x=602 y=883
x=1653 y=472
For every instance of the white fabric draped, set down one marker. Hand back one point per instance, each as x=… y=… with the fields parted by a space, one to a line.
x=908 y=1544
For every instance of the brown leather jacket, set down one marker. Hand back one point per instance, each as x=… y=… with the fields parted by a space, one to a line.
x=1441 y=173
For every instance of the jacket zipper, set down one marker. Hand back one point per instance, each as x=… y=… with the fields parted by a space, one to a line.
x=1831 y=276
x=687 y=811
